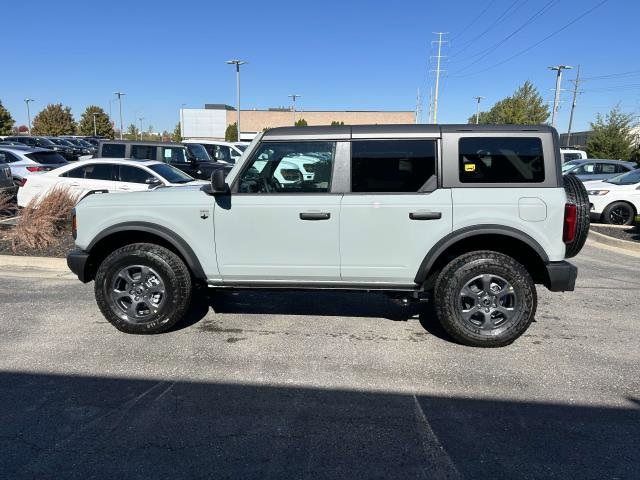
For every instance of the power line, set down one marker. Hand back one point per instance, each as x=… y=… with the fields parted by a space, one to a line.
x=472 y=23
x=492 y=48
x=531 y=47
x=490 y=27
x=630 y=73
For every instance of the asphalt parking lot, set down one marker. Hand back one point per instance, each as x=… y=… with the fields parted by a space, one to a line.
x=320 y=385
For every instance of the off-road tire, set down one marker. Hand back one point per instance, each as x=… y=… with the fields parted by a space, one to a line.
x=173 y=273
x=448 y=302
x=577 y=194
x=631 y=211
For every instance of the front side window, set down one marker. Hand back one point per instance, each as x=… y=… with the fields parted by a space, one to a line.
x=143 y=152
x=585 y=169
x=131 y=174
x=289 y=167
x=392 y=165
x=113 y=150
x=174 y=154
x=198 y=152
x=501 y=160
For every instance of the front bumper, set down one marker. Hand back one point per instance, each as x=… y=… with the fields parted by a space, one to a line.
x=77 y=262
x=561 y=276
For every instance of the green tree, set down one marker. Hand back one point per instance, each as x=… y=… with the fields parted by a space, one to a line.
x=103 y=125
x=301 y=122
x=612 y=135
x=524 y=107
x=55 y=119
x=176 y=136
x=6 y=121
x=231 y=133
x=132 y=132
x=336 y=123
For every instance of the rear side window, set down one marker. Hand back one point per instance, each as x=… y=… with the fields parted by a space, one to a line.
x=94 y=172
x=143 y=152
x=392 y=165
x=607 y=168
x=133 y=174
x=113 y=150
x=501 y=160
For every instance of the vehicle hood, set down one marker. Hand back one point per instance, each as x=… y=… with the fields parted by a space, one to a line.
x=190 y=194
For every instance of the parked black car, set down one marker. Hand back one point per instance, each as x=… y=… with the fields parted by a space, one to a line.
x=85 y=147
x=71 y=153
x=172 y=153
x=40 y=142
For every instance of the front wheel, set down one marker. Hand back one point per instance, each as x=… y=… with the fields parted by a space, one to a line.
x=619 y=213
x=143 y=288
x=485 y=299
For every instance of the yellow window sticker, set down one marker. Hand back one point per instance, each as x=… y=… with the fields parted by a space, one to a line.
x=470 y=167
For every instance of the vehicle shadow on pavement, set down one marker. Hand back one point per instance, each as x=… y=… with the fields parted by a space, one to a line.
x=313 y=303
x=78 y=427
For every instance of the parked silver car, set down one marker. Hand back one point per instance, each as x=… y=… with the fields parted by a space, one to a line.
x=596 y=168
x=24 y=161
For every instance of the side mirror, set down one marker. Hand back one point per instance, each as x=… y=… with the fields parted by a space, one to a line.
x=152 y=182
x=218 y=181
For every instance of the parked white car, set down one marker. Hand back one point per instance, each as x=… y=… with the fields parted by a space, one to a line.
x=104 y=175
x=616 y=200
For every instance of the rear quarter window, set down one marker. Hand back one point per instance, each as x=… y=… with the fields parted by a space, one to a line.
x=501 y=160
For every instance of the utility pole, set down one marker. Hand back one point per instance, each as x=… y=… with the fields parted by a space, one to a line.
x=182 y=119
x=418 y=107
x=438 y=71
x=293 y=97
x=95 y=129
x=478 y=98
x=119 y=95
x=556 y=99
x=27 y=100
x=431 y=105
x=140 y=120
x=576 y=84
x=237 y=63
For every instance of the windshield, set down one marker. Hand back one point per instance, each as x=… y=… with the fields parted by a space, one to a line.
x=45 y=142
x=628 y=178
x=47 y=158
x=171 y=174
x=569 y=165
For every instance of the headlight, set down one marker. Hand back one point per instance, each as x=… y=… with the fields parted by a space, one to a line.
x=598 y=192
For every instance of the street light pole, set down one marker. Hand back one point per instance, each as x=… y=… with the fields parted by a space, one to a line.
x=95 y=130
x=119 y=95
x=237 y=63
x=478 y=98
x=294 y=97
x=27 y=100
x=182 y=120
x=140 y=120
x=556 y=98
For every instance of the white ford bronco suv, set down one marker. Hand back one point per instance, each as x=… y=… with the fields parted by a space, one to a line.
x=470 y=217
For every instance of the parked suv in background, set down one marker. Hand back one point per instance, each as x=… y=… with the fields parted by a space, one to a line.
x=470 y=217
x=596 y=168
x=172 y=153
x=25 y=161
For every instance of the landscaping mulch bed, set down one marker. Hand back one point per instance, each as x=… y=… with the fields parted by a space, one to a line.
x=60 y=249
x=631 y=233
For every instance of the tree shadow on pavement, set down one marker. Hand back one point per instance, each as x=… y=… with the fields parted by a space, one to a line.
x=78 y=427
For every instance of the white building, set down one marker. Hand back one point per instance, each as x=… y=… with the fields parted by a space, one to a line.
x=208 y=122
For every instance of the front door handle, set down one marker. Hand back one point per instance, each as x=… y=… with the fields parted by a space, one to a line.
x=423 y=215
x=315 y=215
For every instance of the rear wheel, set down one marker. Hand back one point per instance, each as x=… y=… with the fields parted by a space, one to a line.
x=485 y=299
x=143 y=288
x=619 y=213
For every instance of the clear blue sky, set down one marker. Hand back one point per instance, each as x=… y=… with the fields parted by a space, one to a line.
x=337 y=54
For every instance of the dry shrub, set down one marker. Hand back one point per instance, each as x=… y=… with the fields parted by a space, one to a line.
x=7 y=206
x=43 y=221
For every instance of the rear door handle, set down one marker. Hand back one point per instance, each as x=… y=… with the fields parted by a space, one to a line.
x=422 y=215
x=315 y=215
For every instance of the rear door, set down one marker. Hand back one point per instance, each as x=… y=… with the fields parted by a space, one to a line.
x=394 y=213
x=93 y=177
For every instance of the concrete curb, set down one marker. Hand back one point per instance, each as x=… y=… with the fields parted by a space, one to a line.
x=37 y=263
x=601 y=238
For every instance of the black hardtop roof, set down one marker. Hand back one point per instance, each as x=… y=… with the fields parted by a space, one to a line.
x=401 y=130
x=141 y=142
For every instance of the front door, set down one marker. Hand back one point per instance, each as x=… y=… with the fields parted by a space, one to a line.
x=394 y=214
x=280 y=231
